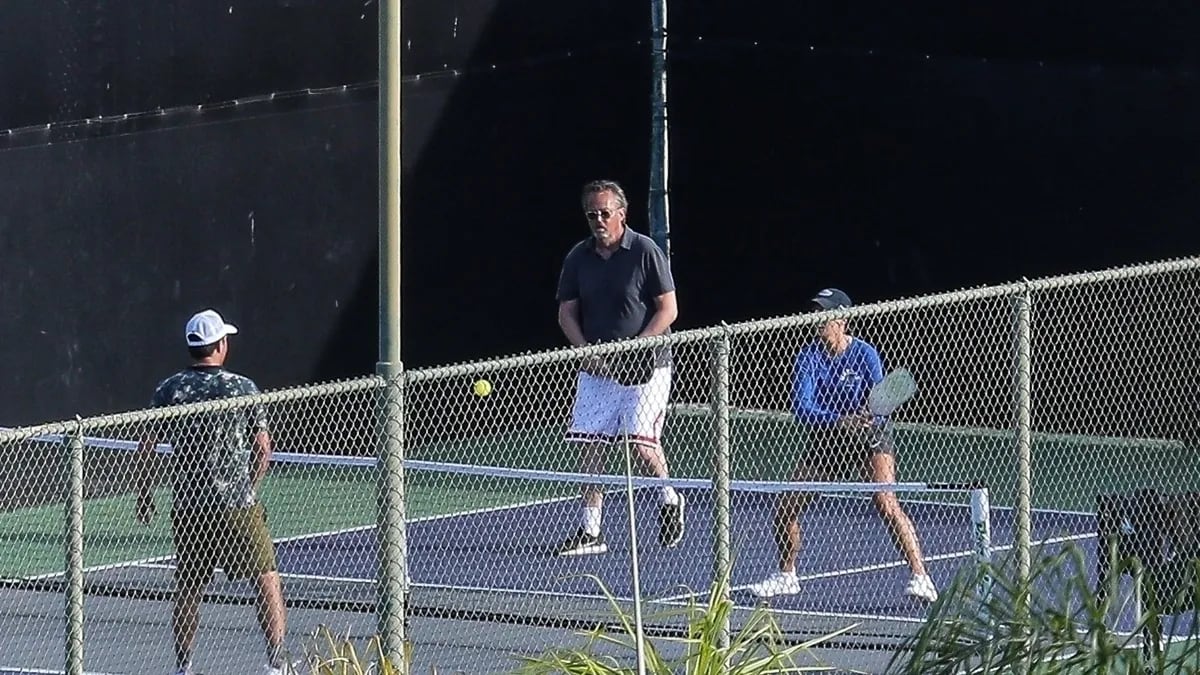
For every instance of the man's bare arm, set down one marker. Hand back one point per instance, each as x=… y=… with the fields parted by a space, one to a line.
x=665 y=313
x=262 y=456
x=146 y=476
x=568 y=321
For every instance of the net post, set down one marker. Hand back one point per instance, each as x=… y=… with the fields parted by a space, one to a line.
x=1024 y=393
x=722 y=556
x=393 y=537
x=981 y=533
x=74 y=550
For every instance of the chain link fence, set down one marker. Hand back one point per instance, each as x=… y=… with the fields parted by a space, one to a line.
x=543 y=491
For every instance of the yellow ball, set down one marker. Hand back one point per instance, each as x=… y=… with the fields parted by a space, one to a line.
x=482 y=388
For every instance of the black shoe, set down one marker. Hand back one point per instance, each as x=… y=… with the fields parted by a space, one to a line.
x=670 y=524
x=582 y=543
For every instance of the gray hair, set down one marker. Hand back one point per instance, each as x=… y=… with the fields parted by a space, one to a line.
x=605 y=186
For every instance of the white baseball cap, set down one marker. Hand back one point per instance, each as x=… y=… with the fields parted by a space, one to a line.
x=206 y=328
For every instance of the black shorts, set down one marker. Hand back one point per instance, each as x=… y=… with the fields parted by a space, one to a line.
x=839 y=455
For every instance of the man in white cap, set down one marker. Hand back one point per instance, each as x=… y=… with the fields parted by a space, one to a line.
x=218 y=461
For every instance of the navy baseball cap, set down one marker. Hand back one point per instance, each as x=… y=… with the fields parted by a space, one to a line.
x=832 y=298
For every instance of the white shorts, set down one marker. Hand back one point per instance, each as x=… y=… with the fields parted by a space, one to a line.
x=606 y=410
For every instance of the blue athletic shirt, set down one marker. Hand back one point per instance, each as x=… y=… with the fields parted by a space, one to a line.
x=826 y=388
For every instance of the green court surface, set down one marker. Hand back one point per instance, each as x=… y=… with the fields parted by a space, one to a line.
x=1068 y=471
x=300 y=500
x=306 y=499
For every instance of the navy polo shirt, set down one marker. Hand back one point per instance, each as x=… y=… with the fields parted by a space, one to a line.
x=616 y=295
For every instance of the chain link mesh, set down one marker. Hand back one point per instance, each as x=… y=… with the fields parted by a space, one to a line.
x=494 y=475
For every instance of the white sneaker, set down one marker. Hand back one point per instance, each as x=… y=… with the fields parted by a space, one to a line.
x=921 y=586
x=281 y=670
x=779 y=583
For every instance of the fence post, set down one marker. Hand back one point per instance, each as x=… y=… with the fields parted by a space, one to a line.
x=1024 y=394
x=722 y=558
x=74 y=551
x=660 y=225
x=393 y=568
x=393 y=536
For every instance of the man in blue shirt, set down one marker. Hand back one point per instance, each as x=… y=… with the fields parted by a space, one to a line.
x=830 y=382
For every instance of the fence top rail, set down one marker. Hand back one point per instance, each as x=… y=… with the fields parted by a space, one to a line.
x=145 y=415
x=568 y=354
x=692 y=336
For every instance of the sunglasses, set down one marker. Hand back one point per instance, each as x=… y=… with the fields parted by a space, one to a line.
x=603 y=214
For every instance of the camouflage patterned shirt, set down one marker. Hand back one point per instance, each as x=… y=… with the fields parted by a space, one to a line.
x=212 y=452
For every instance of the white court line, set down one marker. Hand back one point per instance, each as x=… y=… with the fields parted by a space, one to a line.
x=143 y=562
x=284 y=575
x=38 y=671
x=954 y=505
x=901 y=563
x=149 y=562
x=518 y=591
x=427 y=519
x=941 y=556
x=680 y=600
x=554 y=500
x=100 y=568
x=677 y=601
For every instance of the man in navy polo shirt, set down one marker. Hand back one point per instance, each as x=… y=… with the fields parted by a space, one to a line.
x=615 y=285
x=831 y=378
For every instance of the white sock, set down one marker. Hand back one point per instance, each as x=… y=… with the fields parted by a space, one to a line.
x=275 y=656
x=668 y=495
x=591 y=520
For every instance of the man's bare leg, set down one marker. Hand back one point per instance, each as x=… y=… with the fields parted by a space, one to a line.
x=185 y=620
x=591 y=461
x=272 y=616
x=788 y=533
x=900 y=526
x=904 y=534
x=588 y=539
x=671 y=527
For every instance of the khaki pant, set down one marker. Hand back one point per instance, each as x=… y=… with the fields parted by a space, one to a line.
x=234 y=539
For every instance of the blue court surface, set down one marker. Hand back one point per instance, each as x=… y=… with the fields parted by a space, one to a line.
x=500 y=561
x=498 y=564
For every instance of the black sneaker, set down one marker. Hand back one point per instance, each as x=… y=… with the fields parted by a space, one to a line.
x=670 y=524
x=582 y=543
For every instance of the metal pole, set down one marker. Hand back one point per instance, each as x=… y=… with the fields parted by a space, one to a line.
x=1024 y=443
x=393 y=570
x=639 y=631
x=74 y=552
x=393 y=536
x=389 y=181
x=659 y=220
x=722 y=557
